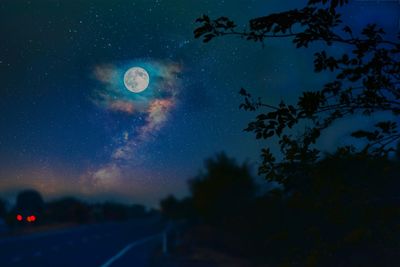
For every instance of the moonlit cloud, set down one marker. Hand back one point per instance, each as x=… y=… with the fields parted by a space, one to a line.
x=122 y=106
x=154 y=106
x=113 y=96
x=105 y=73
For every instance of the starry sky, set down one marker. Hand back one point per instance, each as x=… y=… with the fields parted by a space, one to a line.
x=70 y=127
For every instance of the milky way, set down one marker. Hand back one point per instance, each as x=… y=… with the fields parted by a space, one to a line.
x=154 y=105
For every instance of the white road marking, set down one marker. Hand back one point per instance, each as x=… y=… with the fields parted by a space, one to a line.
x=127 y=248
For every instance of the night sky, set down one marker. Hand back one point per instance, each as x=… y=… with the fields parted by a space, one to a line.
x=69 y=126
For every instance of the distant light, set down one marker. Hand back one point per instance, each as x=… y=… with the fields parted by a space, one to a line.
x=19 y=217
x=31 y=218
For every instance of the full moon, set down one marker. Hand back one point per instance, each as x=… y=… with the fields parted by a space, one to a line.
x=136 y=79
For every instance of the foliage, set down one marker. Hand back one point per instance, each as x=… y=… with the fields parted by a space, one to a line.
x=3 y=208
x=335 y=214
x=68 y=209
x=169 y=206
x=29 y=201
x=176 y=209
x=366 y=82
x=223 y=190
x=340 y=207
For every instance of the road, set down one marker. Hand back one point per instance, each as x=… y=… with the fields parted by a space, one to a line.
x=100 y=245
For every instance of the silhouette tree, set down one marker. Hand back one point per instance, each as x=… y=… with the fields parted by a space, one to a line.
x=68 y=209
x=3 y=209
x=169 y=206
x=345 y=205
x=367 y=81
x=115 y=211
x=336 y=214
x=137 y=211
x=29 y=201
x=176 y=209
x=223 y=191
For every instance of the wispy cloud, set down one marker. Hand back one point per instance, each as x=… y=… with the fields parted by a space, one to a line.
x=123 y=106
x=105 y=73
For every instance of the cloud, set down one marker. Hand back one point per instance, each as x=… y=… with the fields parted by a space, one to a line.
x=105 y=73
x=112 y=95
x=153 y=106
x=125 y=107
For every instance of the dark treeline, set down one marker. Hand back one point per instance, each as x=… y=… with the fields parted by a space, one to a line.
x=345 y=212
x=65 y=210
x=72 y=209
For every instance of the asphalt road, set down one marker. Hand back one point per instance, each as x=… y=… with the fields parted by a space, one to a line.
x=101 y=245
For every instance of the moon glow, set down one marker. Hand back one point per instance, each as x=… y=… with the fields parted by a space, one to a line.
x=136 y=79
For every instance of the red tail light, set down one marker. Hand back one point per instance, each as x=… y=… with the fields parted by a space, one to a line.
x=19 y=217
x=31 y=218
